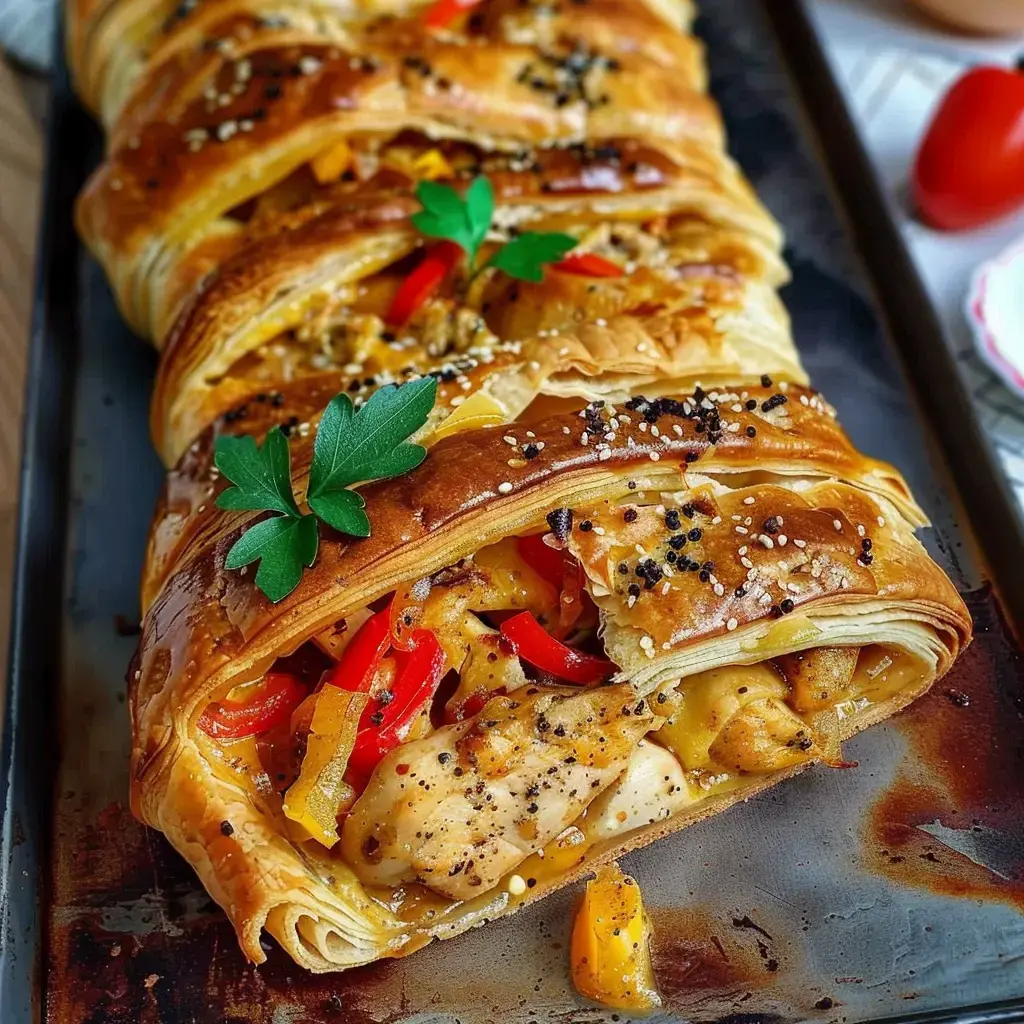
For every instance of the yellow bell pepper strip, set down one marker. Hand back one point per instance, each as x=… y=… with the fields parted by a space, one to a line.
x=320 y=793
x=331 y=164
x=278 y=696
x=479 y=410
x=610 y=951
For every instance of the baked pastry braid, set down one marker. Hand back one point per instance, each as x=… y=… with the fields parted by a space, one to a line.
x=697 y=304
x=116 y=49
x=185 y=164
x=640 y=573
x=762 y=598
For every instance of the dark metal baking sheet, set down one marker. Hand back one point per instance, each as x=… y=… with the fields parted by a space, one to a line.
x=892 y=891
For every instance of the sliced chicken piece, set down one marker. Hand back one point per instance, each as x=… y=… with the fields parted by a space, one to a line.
x=819 y=678
x=764 y=736
x=462 y=807
x=652 y=788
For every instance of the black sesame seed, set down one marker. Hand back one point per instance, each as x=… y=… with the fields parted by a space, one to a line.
x=740 y=592
x=751 y=404
x=623 y=569
x=629 y=515
x=692 y=456
x=633 y=589
x=226 y=828
x=695 y=534
x=444 y=757
x=677 y=541
x=672 y=519
x=766 y=381
x=560 y=521
x=771 y=525
x=751 y=432
x=866 y=543
x=586 y=526
x=786 y=605
x=531 y=451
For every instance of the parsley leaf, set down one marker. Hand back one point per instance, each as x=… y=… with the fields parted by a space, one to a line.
x=370 y=444
x=525 y=256
x=283 y=545
x=350 y=447
x=261 y=475
x=446 y=214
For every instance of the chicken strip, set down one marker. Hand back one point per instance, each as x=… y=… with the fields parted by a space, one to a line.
x=459 y=809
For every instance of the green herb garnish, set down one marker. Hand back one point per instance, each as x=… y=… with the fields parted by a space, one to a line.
x=466 y=221
x=351 y=446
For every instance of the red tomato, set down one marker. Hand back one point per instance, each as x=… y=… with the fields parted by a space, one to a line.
x=970 y=168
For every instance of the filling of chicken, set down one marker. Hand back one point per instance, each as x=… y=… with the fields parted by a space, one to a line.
x=468 y=732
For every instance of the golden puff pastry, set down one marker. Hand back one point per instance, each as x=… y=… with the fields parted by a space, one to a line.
x=754 y=581
x=640 y=574
x=188 y=159
x=120 y=48
x=697 y=305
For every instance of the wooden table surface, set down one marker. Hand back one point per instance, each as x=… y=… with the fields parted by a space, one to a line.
x=21 y=103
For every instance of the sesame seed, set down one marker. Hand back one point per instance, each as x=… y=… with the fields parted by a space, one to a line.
x=781 y=540
x=516 y=885
x=741 y=529
x=800 y=543
x=646 y=642
x=746 y=563
x=766 y=540
x=749 y=501
x=504 y=487
x=654 y=456
x=838 y=525
x=731 y=625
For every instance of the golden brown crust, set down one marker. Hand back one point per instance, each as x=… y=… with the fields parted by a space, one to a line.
x=209 y=629
x=253 y=214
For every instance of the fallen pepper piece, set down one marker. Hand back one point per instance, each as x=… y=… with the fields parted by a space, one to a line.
x=532 y=643
x=277 y=698
x=588 y=264
x=610 y=953
x=426 y=278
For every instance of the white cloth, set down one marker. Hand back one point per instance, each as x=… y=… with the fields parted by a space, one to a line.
x=894 y=68
x=27 y=30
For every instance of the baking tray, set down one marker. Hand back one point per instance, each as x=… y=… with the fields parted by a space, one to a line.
x=890 y=892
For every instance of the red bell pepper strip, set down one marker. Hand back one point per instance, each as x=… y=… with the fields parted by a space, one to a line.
x=588 y=264
x=530 y=641
x=419 y=672
x=548 y=563
x=361 y=658
x=278 y=697
x=423 y=282
x=444 y=12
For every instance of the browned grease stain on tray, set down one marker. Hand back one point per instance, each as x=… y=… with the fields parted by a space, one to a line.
x=965 y=770
x=706 y=962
